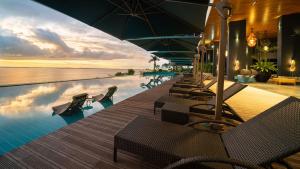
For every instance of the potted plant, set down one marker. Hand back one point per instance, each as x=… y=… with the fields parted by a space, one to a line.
x=264 y=69
x=154 y=59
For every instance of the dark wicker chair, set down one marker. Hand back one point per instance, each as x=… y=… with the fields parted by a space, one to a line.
x=71 y=107
x=268 y=137
x=107 y=96
x=204 y=97
x=180 y=113
x=191 y=80
x=187 y=89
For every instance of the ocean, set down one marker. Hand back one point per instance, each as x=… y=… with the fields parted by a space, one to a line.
x=15 y=76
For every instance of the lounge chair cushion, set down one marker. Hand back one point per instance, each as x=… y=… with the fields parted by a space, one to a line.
x=167 y=142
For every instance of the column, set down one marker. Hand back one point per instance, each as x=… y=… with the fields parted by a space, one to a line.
x=236 y=47
x=288 y=44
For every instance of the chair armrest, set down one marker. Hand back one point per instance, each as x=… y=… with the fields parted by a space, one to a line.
x=201 y=159
x=229 y=109
x=209 y=121
x=210 y=104
x=205 y=92
x=196 y=89
x=205 y=104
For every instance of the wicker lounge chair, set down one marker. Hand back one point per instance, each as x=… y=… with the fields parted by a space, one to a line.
x=266 y=138
x=106 y=103
x=184 y=89
x=180 y=113
x=71 y=107
x=108 y=95
x=187 y=85
x=190 y=81
x=228 y=92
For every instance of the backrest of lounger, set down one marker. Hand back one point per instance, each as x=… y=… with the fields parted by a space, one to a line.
x=212 y=82
x=79 y=100
x=232 y=90
x=269 y=136
x=111 y=91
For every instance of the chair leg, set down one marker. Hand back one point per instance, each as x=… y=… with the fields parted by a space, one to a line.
x=154 y=109
x=115 y=154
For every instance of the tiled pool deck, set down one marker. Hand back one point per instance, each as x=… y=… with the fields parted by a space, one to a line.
x=88 y=143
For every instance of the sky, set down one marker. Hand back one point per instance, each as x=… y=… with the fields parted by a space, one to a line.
x=32 y=35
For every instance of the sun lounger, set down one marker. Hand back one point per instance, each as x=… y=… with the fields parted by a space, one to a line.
x=192 y=88
x=228 y=92
x=189 y=85
x=192 y=81
x=180 y=113
x=266 y=138
x=71 y=107
x=108 y=95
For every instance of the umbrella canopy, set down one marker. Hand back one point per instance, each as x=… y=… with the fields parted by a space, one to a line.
x=177 y=49
x=178 y=43
x=176 y=58
x=126 y=19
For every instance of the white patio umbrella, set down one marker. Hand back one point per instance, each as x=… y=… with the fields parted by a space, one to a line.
x=224 y=10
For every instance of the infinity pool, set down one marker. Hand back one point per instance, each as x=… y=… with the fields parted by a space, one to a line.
x=26 y=111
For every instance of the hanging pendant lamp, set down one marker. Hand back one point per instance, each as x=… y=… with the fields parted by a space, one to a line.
x=251 y=39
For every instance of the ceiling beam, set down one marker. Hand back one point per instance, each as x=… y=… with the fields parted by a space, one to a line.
x=174 y=51
x=190 y=2
x=166 y=37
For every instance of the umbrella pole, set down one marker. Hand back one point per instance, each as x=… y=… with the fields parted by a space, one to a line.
x=224 y=9
x=194 y=67
x=203 y=51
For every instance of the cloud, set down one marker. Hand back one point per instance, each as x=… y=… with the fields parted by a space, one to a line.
x=14 y=46
x=24 y=102
x=103 y=55
x=52 y=38
x=64 y=51
x=31 y=31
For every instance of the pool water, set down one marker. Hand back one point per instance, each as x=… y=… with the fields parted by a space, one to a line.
x=26 y=111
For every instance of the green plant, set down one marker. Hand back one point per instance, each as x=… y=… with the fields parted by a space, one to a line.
x=264 y=66
x=154 y=59
x=207 y=67
x=130 y=72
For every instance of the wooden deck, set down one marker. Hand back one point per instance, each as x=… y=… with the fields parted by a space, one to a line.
x=88 y=143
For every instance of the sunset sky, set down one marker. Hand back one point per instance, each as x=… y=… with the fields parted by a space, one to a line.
x=32 y=35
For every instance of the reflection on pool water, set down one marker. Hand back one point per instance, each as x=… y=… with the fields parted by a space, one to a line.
x=26 y=111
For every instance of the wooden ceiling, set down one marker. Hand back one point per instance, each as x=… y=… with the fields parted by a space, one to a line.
x=261 y=15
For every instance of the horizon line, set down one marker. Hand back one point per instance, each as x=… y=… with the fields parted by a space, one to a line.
x=65 y=67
